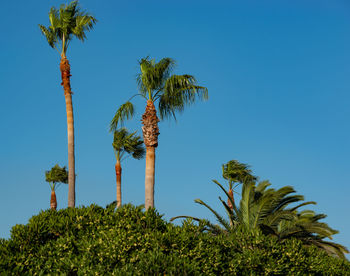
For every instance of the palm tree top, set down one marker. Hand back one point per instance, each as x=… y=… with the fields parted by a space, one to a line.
x=65 y=23
x=57 y=174
x=156 y=83
x=236 y=172
x=123 y=141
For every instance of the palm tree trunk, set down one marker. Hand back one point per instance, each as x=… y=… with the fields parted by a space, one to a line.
x=65 y=74
x=229 y=203
x=53 y=201
x=149 y=177
x=230 y=193
x=118 y=173
x=150 y=137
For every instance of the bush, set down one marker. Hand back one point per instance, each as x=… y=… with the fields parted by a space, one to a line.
x=128 y=241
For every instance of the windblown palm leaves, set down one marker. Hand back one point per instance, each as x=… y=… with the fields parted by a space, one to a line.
x=173 y=93
x=56 y=176
x=155 y=82
x=236 y=172
x=65 y=23
x=267 y=210
x=125 y=142
x=305 y=226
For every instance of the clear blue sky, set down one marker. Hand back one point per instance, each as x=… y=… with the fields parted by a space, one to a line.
x=278 y=80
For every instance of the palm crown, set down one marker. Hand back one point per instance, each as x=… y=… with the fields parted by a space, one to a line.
x=65 y=23
x=56 y=176
x=236 y=172
x=125 y=142
x=155 y=82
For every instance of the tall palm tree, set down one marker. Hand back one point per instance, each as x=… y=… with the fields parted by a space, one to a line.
x=236 y=173
x=65 y=23
x=173 y=93
x=55 y=177
x=125 y=142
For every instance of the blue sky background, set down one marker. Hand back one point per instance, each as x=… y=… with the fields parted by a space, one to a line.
x=278 y=80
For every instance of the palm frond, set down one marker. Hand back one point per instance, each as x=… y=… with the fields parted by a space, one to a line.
x=124 y=112
x=220 y=219
x=49 y=34
x=123 y=141
x=65 y=23
x=237 y=211
x=179 y=91
x=56 y=175
x=231 y=215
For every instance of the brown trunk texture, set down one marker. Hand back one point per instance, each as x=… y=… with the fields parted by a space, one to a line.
x=53 y=201
x=150 y=128
x=150 y=133
x=230 y=192
x=118 y=173
x=65 y=74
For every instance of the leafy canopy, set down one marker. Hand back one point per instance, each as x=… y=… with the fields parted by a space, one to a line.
x=65 y=23
x=268 y=210
x=56 y=176
x=236 y=172
x=125 y=142
x=156 y=83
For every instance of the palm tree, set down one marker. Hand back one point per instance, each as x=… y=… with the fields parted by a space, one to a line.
x=173 y=93
x=55 y=177
x=125 y=142
x=236 y=173
x=65 y=23
x=305 y=226
x=265 y=210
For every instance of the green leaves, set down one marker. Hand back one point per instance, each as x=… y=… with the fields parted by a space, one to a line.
x=128 y=142
x=102 y=241
x=179 y=92
x=264 y=209
x=124 y=112
x=174 y=92
x=236 y=172
x=65 y=23
x=56 y=175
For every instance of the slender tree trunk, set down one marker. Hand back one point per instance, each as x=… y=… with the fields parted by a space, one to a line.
x=118 y=173
x=65 y=74
x=230 y=192
x=150 y=137
x=53 y=201
x=149 y=177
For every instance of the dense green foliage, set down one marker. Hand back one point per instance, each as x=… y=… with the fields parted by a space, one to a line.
x=268 y=211
x=56 y=175
x=128 y=241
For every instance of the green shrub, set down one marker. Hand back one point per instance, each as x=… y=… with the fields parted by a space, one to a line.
x=128 y=241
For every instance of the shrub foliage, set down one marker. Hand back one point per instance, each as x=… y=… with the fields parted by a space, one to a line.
x=127 y=241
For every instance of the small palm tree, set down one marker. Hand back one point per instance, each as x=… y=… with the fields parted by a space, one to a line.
x=55 y=177
x=265 y=210
x=236 y=173
x=125 y=142
x=65 y=23
x=173 y=93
